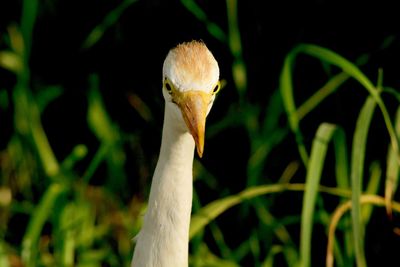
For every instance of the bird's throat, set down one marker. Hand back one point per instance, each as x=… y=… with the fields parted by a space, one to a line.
x=163 y=240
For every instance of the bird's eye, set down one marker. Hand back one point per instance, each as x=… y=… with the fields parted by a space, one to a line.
x=168 y=87
x=216 y=88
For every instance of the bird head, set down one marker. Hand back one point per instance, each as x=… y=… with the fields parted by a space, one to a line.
x=190 y=84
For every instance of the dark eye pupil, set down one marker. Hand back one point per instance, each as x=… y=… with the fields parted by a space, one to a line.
x=216 y=88
x=169 y=89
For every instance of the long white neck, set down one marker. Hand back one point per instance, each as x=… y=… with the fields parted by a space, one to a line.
x=163 y=239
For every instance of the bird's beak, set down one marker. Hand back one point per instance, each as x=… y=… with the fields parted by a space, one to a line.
x=194 y=105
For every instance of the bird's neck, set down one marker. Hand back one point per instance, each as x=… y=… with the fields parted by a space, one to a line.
x=163 y=240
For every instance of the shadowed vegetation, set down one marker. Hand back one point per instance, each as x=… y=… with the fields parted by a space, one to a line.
x=297 y=173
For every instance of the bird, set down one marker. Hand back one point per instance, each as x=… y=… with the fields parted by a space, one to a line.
x=190 y=83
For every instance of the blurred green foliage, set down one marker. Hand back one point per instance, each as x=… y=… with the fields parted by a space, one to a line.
x=53 y=213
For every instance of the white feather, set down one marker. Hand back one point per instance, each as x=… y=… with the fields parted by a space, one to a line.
x=163 y=239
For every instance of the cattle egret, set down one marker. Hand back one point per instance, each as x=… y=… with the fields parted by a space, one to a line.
x=190 y=84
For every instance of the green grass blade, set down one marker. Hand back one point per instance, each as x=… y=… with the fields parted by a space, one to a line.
x=4 y=103
x=27 y=113
x=46 y=154
x=351 y=69
x=27 y=122
x=205 y=215
x=341 y=158
x=286 y=87
x=282 y=234
x=263 y=137
x=330 y=57
x=206 y=258
x=109 y=20
x=28 y=18
x=372 y=189
x=225 y=251
x=97 y=116
x=212 y=28
x=47 y=95
x=78 y=153
x=10 y=61
x=342 y=181
x=239 y=69
x=269 y=260
x=4 y=261
x=324 y=135
x=210 y=212
x=109 y=135
x=94 y=164
x=392 y=170
x=215 y=208
x=331 y=86
x=338 y=214
x=392 y=91
x=68 y=253
x=39 y=217
x=357 y=170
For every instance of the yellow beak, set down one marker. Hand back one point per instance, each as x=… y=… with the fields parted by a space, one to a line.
x=194 y=105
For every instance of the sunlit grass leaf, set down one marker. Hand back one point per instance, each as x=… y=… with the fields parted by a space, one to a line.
x=92 y=258
x=210 y=212
x=4 y=257
x=68 y=233
x=225 y=251
x=357 y=171
x=348 y=244
x=205 y=258
x=5 y=196
x=324 y=135
x=77 y=154
x=97 y=116
x=10 y=61
x=351 y=69
x=42 y=212
x=240 y=76
x=338 y=214
x=357 y=155
x=215 y=208
x=312 y=102
x=392 y=170
x=28 y=124
x=286 y=87
x=26 y=114
x=269 y=260
x=374 y=182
